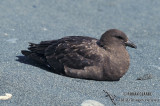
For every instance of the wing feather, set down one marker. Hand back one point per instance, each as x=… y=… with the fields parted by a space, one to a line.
x=74 y=52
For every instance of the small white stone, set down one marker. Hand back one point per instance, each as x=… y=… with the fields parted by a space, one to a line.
x=6 y=34
x=91 y=103
x=45 y=29
x=13 y=29
x=6 y=97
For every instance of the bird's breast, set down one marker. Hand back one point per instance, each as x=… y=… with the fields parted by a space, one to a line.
x=116 y=63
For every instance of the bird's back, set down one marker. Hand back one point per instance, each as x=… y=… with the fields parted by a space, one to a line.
x=75 y=52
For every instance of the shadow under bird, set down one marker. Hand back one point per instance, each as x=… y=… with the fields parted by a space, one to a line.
x=85 y=57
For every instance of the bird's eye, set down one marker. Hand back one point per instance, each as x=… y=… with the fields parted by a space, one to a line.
x=119 y=37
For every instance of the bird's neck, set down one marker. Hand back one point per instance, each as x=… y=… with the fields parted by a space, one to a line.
x=113 y=47
x=109 y=44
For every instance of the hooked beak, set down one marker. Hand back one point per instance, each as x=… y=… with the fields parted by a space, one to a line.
x=130 y=44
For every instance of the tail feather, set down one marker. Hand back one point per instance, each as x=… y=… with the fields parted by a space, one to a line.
x=40 y=48
x=39 y=58
x=25 y=52
x=37 y=51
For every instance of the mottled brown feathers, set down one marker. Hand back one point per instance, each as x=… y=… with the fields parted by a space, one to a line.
x=85 y=57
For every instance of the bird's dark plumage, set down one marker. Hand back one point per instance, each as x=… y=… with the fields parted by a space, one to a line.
x=85 y=57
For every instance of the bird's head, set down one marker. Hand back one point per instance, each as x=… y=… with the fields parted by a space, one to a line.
x=115 y=37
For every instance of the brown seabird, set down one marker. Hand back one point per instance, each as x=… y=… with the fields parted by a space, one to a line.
x=85 y=57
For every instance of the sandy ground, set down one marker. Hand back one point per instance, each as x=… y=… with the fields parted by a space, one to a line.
x=28 y=84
